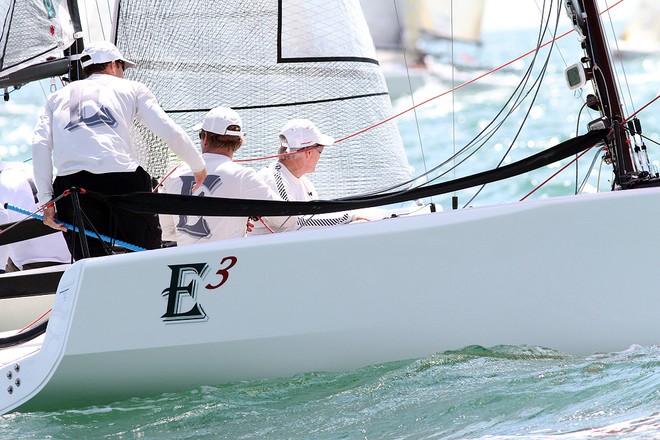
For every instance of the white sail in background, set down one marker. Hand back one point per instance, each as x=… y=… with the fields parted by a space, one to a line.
x=386 y=20
x=451 y=19
x=399 y=24
x=642 y=33
x=271 y=61
x=32 y=32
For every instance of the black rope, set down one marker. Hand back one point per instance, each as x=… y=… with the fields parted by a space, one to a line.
x=20 y=338
x=175 y=204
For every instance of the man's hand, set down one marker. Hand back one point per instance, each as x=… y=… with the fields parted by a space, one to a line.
x=199 y=179
x=249 y=226
x=49 y=219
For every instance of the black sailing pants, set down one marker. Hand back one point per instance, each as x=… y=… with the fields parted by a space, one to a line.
x=138 y=229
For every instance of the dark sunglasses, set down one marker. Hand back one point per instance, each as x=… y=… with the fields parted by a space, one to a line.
x=317 y=147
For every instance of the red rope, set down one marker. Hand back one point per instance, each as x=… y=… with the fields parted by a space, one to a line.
x=643 y=107
x=34 y=322
x=555 y=174
x=165 y=178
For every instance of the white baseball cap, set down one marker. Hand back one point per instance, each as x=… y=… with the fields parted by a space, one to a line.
x=302 y=133
x=218 y=121
x=103 y=52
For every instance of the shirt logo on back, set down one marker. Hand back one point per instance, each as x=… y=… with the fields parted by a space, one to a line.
x=200 y=228
x=101 y=116
x=86 y=110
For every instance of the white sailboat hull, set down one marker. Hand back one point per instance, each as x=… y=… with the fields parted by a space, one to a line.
x=536 y=273
x=16 y=313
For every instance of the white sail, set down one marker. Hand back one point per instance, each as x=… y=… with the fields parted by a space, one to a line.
x=271 y=61
x=399 y=24
x=450 y=19
x=386 y=22
x=642 y=33
x=33 y=31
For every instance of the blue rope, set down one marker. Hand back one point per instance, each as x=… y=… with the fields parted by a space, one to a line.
x=70 y=227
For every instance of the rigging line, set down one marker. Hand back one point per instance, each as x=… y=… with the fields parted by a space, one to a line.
x=477 y=78
x=570 y=31
x=541 y=11
x=514 y=101
x=649 y=139
x=622 y=123
x=521 y=96
x=577 y=132
x=591 y=168
x=485 y=134
x=623 y=68
x=162 y=181
x=643 y=107
x=482 y=136
x=453 y=95
x=410 y=88
x=98 y=16
x=556 y=173
x=600 y=173
x=277 y=156
x=536 y=86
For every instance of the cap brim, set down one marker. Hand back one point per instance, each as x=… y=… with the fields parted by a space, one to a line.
x=326 y=140
x=197 y=127
x=128 y=63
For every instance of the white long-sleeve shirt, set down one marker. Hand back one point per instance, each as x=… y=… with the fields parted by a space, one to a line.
x=15 y=189
x=226 y=179
x=86 y=126
x=291 y=188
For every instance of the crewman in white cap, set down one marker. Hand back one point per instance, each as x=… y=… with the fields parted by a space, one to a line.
x=84 y=132
x=301 y=145
x=221 y=135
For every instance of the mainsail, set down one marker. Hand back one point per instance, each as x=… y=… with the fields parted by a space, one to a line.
x=32 y=32
x=271 y=61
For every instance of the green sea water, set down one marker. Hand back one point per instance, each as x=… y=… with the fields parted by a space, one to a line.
x=475 y=392
x=471 y=393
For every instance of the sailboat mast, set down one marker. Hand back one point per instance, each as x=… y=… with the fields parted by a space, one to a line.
x=54 y=67
x=75 y=69
x=600 y=66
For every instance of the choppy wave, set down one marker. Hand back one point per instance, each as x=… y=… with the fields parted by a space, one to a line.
x=498 y=392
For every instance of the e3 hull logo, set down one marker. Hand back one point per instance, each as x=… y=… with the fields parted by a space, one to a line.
x=182 y=296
